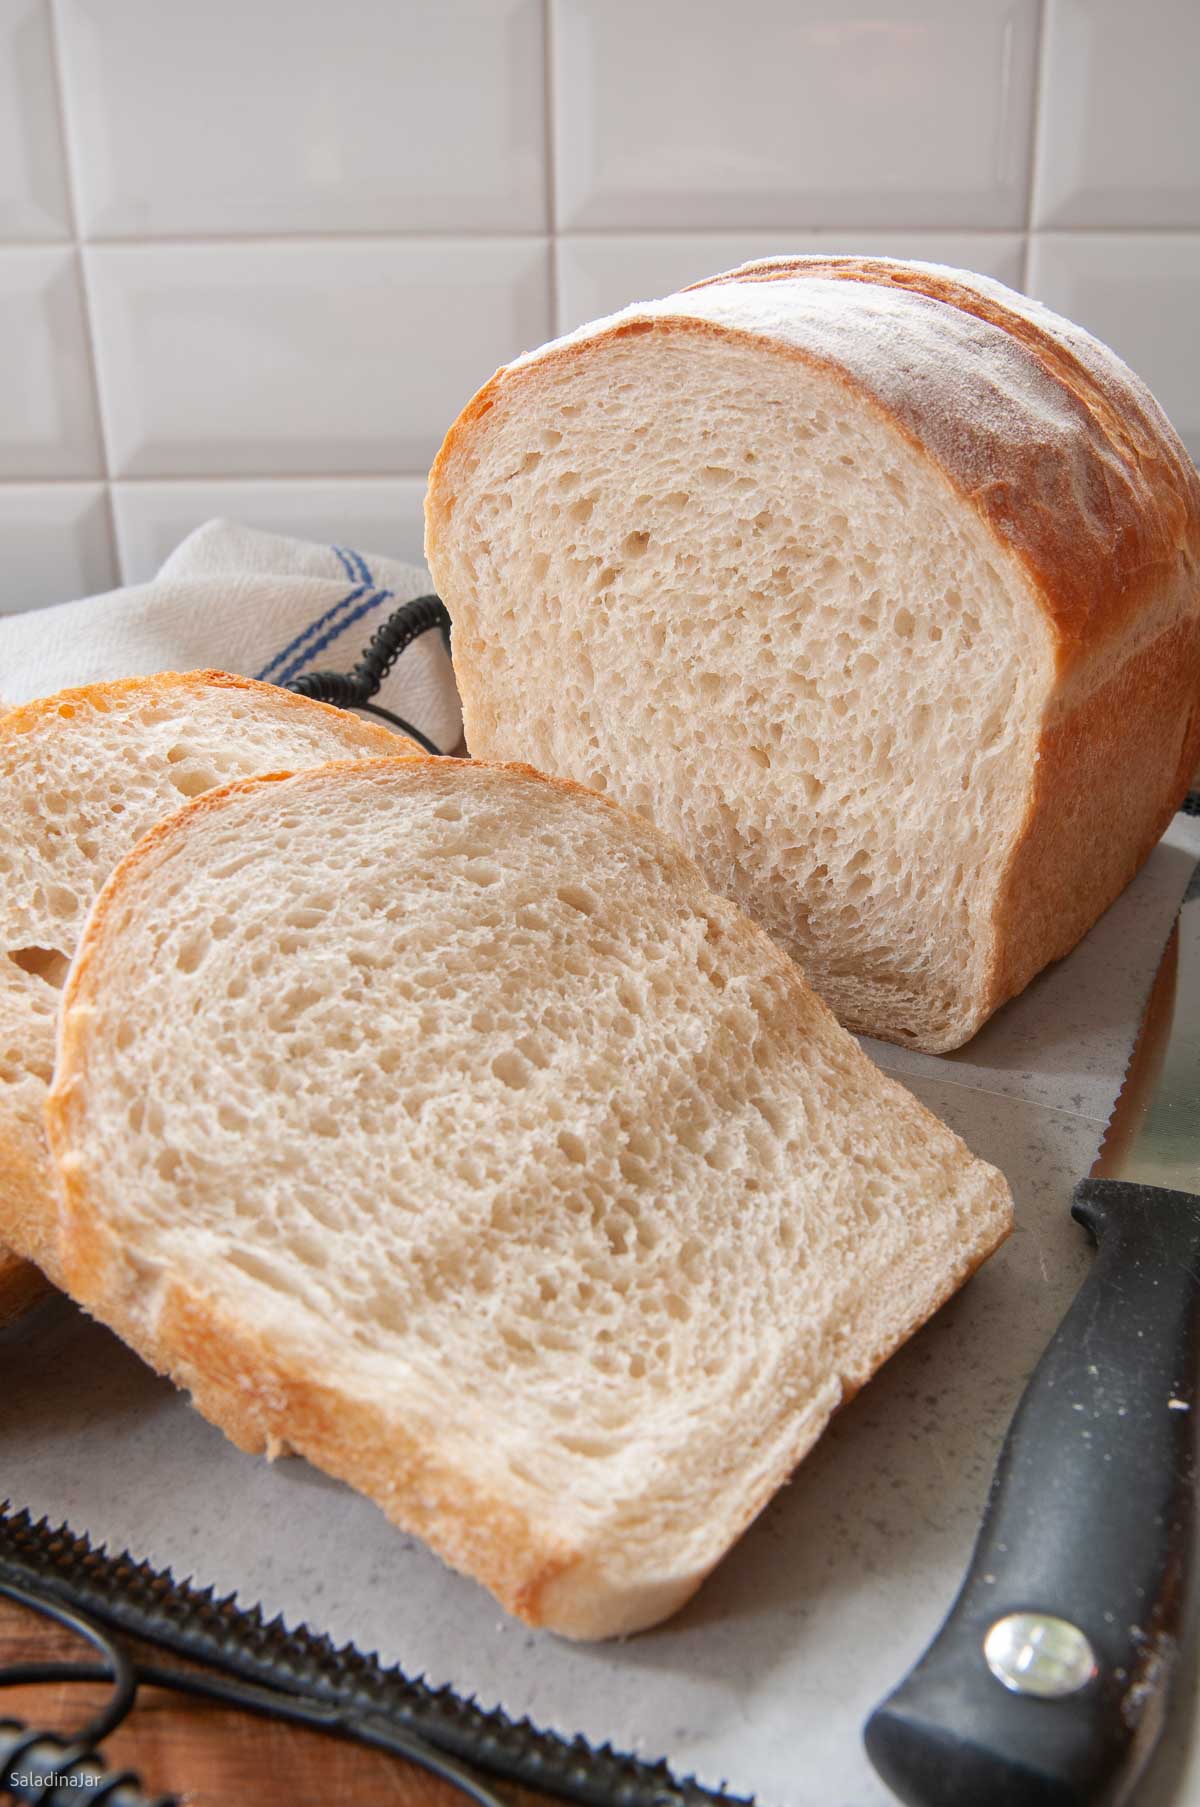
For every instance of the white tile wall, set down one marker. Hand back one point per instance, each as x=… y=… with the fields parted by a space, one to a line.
x=1120 y=143
x=33 y=184
x=303 y=357
x=48 y=425
x=267 y=116
x=56 y=541
x=255 y=255
x=782 y=112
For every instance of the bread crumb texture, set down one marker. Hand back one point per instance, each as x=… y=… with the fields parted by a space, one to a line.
x=808 y=565
x=438 y=1120
x=83 y=774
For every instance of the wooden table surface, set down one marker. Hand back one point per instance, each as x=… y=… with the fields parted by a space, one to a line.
x=213 y=1756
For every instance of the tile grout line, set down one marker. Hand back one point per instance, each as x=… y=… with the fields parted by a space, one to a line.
x=175 y=479
x=550 y=129
x=64 y=136
x=470 y=238
x=1041 y=53
x=492 y=235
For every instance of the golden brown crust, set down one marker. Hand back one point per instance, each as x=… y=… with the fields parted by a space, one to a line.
x=1110 y=775
x=25 y=716
x=21 y=1285
x=25 y=1194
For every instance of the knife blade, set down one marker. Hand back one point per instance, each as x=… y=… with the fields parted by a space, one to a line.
x=1047 y=1684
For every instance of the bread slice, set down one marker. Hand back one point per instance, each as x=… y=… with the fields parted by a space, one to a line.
x=83 y=774
x=874 y=584
x=437 y=1121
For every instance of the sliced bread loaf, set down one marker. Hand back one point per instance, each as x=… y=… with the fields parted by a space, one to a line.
x=875 y=584
x=437 y=1121
x=83 y=774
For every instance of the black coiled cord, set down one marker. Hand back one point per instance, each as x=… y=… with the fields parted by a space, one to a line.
x=354 y=689
x=52 y=1771
x=37 y=1766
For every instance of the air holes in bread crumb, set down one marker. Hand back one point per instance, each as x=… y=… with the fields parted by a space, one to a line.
x=192 y=951
x=533 y=1051
x=46 y=963
x=577 y=898
x=60 y=902
x=571 y=1146
x=512 y=1069
x=193 y=781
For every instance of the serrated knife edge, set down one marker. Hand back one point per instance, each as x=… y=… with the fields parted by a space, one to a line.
x=1153 y=1131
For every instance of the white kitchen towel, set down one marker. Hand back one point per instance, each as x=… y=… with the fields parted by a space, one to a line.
x=235 y=599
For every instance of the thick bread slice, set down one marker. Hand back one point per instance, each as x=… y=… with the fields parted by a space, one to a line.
x=83 y=774
x=875 y=584
x=438 y=1121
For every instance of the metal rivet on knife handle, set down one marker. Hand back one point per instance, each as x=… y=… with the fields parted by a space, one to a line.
x=1035 y=1653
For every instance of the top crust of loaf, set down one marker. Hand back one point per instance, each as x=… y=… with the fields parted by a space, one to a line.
x=1063 y=451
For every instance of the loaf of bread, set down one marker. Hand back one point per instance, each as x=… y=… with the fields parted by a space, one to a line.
x=437 y=1121
x=874 y=584
x=83 y=774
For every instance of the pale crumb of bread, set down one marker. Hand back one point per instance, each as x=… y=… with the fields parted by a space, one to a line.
x=438 y=1120
x=824 y=566
x=83 y=774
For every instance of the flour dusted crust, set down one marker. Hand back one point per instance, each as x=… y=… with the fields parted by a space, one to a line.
x=1075 y=492
x=589 y=1532
x=81 y=773
x=1053 y=438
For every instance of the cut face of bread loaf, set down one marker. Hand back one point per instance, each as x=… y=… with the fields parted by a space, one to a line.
x=438 y=1121
x=83 y=774
x=872 y=583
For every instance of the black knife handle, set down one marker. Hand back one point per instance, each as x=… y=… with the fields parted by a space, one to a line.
x=1090 y=1519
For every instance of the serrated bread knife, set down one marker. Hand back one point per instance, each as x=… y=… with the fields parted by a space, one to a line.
x=1047 y=1684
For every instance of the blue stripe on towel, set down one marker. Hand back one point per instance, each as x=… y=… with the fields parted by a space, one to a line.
x=339 y=627
x=343 y=558
x=362 y=569
x=269 y=673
